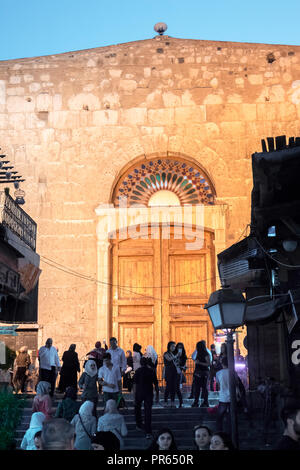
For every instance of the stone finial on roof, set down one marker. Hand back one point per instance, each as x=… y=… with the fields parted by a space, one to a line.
x=160 y=28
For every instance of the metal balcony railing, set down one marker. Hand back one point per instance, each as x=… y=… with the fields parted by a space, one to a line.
x=17 y=220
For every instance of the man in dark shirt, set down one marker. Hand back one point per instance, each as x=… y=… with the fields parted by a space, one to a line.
x=145 y=378
x=291 y=436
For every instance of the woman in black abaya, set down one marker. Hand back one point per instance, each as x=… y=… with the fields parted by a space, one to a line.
x=68 y=373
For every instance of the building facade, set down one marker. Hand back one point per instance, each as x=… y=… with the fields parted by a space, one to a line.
x=88 y=127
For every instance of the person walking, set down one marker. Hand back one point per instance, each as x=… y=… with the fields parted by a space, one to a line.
x=22 y=363
x=36 y=425
x=171 y=372
x=180 y=363
x=85 y=426
x=202 y=363
x=42 y=401
x=117 y=355
x=68 y=407
x=49 y=364
x=222 y=377
x=144 y=379
x=110 y=378
x=151 y=356
x=70 y=367
x=113 y=421
x=194 y=355
x=88 y=384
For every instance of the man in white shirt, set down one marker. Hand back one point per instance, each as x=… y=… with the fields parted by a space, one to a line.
x=117 y=355
x=222 y=377
x=109 y=377
x=49 y=364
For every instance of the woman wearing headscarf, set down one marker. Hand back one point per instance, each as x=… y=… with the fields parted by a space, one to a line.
x=151 y=356
x=88 y=383
x=179 y=362
x=136 y=356
x=113 y=421
x=171 y=372
x=70 y=367
x=42 y=401
x=68 y=407
x=85 y=426
x=36 y=425
x=22 y=363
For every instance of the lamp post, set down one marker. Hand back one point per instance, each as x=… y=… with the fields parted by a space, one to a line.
x=226 y=308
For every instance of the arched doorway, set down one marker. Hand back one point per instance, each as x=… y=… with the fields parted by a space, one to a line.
x=159 y=287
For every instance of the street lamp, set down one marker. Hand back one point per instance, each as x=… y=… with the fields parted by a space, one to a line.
x=226 y=308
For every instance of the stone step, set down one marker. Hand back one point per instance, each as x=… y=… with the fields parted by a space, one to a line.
x=177 y=424
x=180 y=420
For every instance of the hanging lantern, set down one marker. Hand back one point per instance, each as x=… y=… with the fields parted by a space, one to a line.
x=19 y=195
x=16 y=184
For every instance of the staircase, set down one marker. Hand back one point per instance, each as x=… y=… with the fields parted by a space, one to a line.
x=180 y=420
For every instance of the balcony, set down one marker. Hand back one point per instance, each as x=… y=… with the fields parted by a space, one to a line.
x=16 y=220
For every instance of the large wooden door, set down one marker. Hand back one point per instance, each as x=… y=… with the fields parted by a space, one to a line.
x=159 y=289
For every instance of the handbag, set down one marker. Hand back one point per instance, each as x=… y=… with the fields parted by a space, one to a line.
x=84 y=428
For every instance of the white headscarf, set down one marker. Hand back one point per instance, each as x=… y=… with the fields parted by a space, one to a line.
x=37 y=420
x=86 y=411
x=151 y=353
x=43 y=388
x=111 y=407
x=36 y=425
x=91 y=368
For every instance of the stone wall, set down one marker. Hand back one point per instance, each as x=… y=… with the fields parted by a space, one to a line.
x=71 y=123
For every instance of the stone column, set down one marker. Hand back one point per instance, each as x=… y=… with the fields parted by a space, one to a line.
x=103 y=289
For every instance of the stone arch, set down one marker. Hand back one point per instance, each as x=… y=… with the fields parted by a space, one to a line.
x=140 y=178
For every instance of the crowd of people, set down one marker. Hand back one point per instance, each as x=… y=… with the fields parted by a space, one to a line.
x=77 y=426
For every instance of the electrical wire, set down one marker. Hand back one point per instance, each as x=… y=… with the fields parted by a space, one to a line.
x=126 y=289
x=131 y=287
x=274 y=259
x=71 y=271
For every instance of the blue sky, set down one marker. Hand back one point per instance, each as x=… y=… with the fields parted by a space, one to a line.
x=41 y=27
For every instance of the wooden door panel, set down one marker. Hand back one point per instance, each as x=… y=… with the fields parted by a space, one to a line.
x=185 y=271
x=137 y=274
x=141 y=333
x=136 y=311
x=189 y=333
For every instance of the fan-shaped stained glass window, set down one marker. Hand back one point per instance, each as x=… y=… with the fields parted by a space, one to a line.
x=188 y=182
